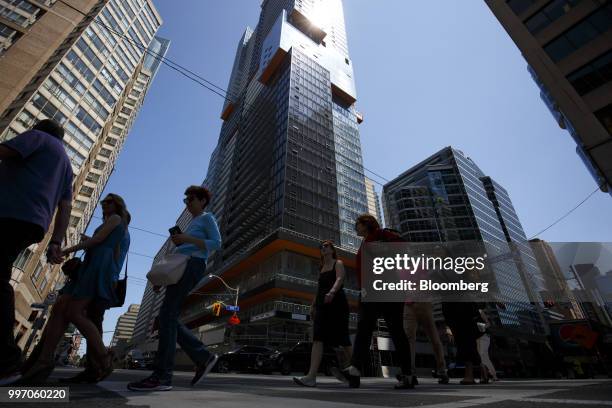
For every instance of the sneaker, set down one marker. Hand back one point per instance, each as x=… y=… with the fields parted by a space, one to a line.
x=406 y=382
x=353 y=375
x=203 y=370
x=149 y=384
x=415 y=380
x=305 y=381
x=336 y=372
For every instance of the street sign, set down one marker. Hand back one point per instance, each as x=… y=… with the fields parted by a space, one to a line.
x=231 y=308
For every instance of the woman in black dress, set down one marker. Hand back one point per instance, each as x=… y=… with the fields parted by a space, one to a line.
x=330 y=313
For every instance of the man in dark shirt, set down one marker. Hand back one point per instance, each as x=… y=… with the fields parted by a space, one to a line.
x=35 y=179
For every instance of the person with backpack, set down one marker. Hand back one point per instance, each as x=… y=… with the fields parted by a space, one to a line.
x=368 y=227
x=35 y=180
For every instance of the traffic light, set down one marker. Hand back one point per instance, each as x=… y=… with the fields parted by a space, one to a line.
x=216 y=308
x=234 y=320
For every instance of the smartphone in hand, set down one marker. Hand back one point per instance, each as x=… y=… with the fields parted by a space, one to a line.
x=175 y=230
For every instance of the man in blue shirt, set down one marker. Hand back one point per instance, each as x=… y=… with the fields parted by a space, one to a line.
x=35 y=180
x=198 y=241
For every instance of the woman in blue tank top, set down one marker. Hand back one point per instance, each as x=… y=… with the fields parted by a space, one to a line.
x=95 y=280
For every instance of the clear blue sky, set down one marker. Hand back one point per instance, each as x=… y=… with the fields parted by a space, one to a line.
x=428 y=74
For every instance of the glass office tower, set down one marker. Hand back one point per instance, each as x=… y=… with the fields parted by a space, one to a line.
x=286 y=172
x=447 y=197
x=291 y=114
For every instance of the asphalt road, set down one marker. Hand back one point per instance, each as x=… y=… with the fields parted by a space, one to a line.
x=271 y=391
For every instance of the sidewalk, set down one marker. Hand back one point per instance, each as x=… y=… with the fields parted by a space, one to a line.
x=272 y=391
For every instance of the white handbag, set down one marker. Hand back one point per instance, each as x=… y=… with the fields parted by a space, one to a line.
x=169 y=270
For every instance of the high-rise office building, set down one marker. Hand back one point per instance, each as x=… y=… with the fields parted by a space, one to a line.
x=589 y=295
x=373 y=200
x=125 y=327
x=286 y=172
x=557 y=292
x=568 y=47
x=448 y=198
x=88 y=70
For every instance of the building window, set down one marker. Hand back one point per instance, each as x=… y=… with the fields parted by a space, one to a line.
x=26 y=119
x=48 y=109
x=36 y=273
x=582 y=33
x=43 y=284
x=549 y=14
x=593 y=75
x=86 y=191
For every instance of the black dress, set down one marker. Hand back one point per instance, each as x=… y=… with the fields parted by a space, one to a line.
x=331 y=320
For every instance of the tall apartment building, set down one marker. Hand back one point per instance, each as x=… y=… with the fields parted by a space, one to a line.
x=125 y=326
x=448 y=198
x=568 y=47
x=373 y=200
x=88 y=70
x=286 y=173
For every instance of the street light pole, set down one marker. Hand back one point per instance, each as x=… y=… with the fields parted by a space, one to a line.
x=237 y=289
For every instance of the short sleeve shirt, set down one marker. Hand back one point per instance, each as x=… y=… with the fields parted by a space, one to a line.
x=32 y=185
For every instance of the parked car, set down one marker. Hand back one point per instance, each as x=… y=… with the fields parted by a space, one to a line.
x=242 y=359
x=134 y=360
x=296 y=359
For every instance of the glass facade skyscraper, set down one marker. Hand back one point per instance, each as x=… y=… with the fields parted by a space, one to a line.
x=286 y=172
x=291 y=113
x=448 y=198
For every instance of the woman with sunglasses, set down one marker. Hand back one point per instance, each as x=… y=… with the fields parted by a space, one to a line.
x=95 y=281
x=330 y=312
x=200 y=239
